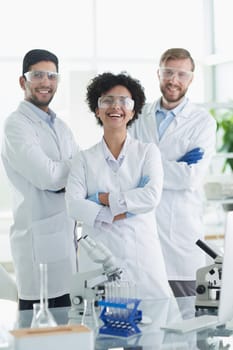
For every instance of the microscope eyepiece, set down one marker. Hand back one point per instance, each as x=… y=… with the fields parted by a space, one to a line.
x=206 y=249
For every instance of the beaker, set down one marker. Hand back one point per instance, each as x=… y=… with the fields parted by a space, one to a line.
x=89 y=317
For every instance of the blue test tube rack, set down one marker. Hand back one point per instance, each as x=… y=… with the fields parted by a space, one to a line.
x=118 y=322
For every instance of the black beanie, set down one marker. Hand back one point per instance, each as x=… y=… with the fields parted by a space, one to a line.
x=37 y=55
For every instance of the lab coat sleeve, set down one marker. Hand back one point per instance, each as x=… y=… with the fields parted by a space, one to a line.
x=79 y=208
x=180 y=175
x=23 y=152
x=142 y=200
x=75 y=147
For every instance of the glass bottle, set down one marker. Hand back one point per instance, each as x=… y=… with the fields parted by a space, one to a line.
x=89 y=317
x=36 y=309
x=43 y=317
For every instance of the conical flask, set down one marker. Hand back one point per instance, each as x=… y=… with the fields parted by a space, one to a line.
x=43 y=317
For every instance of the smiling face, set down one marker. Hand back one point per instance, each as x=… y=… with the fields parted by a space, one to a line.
x=115 y=108
x=174 y=88
x=40 y=92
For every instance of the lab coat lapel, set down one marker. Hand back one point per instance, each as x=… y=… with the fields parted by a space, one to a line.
x=28 y=113
x=151 y=121
x=177 y=122
x=41 y=124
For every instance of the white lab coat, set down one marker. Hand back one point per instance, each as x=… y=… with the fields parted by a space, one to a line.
x=179 y=214
x=133 y=241
x=36 y=165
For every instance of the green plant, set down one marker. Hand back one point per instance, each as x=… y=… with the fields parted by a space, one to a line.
x=224 y=119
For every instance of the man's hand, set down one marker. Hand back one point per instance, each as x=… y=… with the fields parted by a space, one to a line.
x=192 y=156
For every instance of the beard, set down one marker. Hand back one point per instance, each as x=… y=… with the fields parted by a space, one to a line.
x=38 y=103
x=180 y=93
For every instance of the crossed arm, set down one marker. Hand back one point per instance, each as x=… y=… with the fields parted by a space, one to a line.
x=103 y=198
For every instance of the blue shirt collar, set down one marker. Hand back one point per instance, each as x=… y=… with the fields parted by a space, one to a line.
x=174 y=111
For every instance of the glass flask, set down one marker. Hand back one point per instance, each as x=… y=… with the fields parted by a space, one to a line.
x=89 y=317
x=42 y=317
x=36 y=309
x=4 y=338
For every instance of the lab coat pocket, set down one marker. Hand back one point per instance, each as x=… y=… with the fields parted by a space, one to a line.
x=182 y=146
x=50 y=238
x=176 y=147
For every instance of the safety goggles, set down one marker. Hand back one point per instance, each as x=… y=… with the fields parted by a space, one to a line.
x=168 y=73
x=122 y=101
x=38 y=75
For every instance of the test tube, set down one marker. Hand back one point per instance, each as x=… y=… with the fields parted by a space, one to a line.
x=124 y=297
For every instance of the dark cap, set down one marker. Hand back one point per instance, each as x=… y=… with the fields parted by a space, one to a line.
x=37 y=55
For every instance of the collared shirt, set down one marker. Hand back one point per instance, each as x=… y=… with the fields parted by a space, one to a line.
x=46 y=117
x=164 y=117
x=110 y=159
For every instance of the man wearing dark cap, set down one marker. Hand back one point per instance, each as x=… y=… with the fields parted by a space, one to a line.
x=37 y=151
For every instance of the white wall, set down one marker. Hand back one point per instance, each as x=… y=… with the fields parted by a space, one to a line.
x=90 y=37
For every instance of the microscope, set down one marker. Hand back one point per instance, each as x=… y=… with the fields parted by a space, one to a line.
x=90 y=284
x=208 y=281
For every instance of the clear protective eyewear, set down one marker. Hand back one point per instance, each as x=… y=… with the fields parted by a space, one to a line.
x=38 y=75
x=168 y=73
x=123 y=101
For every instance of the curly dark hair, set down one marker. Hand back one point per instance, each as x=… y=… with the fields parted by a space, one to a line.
x=102 y=83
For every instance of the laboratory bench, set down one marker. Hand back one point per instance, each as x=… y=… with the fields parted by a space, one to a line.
x=156 y=313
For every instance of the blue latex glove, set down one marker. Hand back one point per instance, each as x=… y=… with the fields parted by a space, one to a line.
x=143 y=181
x=94 y=198
x=129 y=215
x=192 y=156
